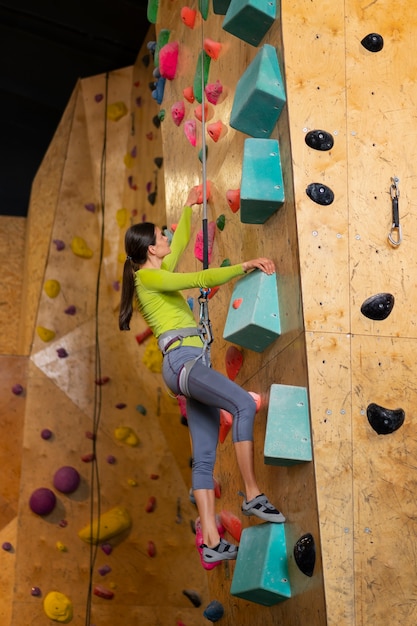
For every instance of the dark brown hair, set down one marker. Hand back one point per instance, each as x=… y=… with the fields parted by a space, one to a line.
x=138 y=238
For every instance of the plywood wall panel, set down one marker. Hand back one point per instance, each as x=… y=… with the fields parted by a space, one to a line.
x=12 y=246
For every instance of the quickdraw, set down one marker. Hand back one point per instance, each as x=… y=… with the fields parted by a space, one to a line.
x=395 y=235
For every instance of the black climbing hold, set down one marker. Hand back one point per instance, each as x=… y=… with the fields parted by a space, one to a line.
x=152 y=198
x=146 y=60
x=384 y=421
x=320 y=193
x=378 y=307
x=156 y=121
x=193 y=596
x=152 y=85
x=305 y=554
x=319 y=140
x=373 y=42
x=158 y=162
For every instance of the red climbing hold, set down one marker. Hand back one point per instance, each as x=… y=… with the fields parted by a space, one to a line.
x=216 y=130
x=213 y=91
x=188 y=16
x=233 y=199
x=140 y=338
x=178 y=112
x=168 y=60
x=226 y=421
x=257 y=398
x=212 y=48
x=236 y=303
x=234 y=361
x=103 y=592
x=213 y=291
x=151 y=549
x=188 y=94
x=232 y=524
x=151 y=505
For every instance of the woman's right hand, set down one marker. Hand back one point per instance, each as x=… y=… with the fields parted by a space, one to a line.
x=266 y=265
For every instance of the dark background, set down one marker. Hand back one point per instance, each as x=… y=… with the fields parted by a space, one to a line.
x=45 y=47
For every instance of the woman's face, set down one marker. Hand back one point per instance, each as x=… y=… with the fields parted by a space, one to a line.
x=161 y=244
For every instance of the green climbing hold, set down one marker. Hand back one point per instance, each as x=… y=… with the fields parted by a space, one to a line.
x=152 y=12
x=200 y=154
x=203 y=7
x=201 y=74
x=163 y=39
x=221 y=221
x=226 y=263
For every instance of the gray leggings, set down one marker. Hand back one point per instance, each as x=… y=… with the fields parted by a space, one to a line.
x=209 y=392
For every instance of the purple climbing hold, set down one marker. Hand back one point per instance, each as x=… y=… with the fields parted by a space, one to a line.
x=70 y=310
x=104 y=569
x=59 y=244
x=7 y=546
x=35 y=591
x=111 y=460
x=62 y=353
x=46 y=433
x=17 y=389
x=90 y=206
x=66 y=479
x=121 y=405
x=107 y=548
x=42 y=501
x=98 y=97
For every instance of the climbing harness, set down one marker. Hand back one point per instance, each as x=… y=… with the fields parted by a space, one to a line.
x=395 y=235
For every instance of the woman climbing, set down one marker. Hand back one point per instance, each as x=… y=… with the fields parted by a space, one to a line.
x=149 y=275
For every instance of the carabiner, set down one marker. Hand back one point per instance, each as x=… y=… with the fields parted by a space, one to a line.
x=395 y=235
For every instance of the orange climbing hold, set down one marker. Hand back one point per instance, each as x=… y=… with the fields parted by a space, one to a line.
x=213 y=291
x=212 y=48
x=233 y=199
x=199 y=190
x=208 y=113
x=232 y=524
x=257 y=398
x=188 y=94
x=234 y=361
x=216 y=130
x=236 y=303
x=188 y=16
x=226 y=421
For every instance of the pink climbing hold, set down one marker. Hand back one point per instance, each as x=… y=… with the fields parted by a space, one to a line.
x=188 y=16
x=190 y=130
x=213 y=91
x=208 y=114
x=188 y=94
x=233 y=199
x=151 y=549
x=236 y=303
x=216 y=130
x=212 y=48
x=178 y=112
x=198 y=247
x=168 y=60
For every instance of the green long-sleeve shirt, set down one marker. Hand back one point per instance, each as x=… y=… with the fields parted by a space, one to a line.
x=158 y=290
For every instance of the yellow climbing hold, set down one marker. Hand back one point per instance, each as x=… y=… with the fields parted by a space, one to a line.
x=121 y=217
x=116 y=111
x=132 y=482
x=80 y=248
x=60 y=546
x=108 y=525
x=128 y=160
x=58 y=607
x=153 y=356
x=45 y=333
x=52 y=288
x=121 y=257
x=127 y=435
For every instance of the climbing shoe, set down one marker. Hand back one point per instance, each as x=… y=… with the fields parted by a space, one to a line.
x=262 y=508
x=224 y=551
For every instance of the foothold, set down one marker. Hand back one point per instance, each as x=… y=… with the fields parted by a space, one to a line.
x=232 y=524
x=45 y=333
x=103 y=592
x=111 y=523
x=188 y=94
x=213 y=48
x=116 y=111
x=151 y=505
x=80 y=248
x=52 y=288
x=200 y=154
x=226 y=422
x=305 y=554
x=198 y=113
x=158 y=92
x=46 y=434
x=201 y=75
x=141 y=409
x=378 y=307
x=233 y=199
x=131 y=184
x=36 y=592
x=88 y=458
x=42 y=501
x=214 y=611
x=384 y=421
x=17 y=390
x=373 y=42
x=193 y=596
x=217 y=130
x=199 y=243
x=178 y=112
x=104 y=570
x=151 y=549
x=66 y=479
x=236 y=303
x=102 y=381
x=121 y=217
x=111 y=459
x=107 y=548
x=62 y=353
x=158 y=162
x=121 y=405
x=319 y=140
x=127 y=435
x=234 y=361
x=63 y=523
x=221 y=222
x=188 y=16
x=59 y=244
x=250 y=20
x=168 y=60
x=190 y=131
x=213 y=92
x=90 y=206
x=58 y=607
x=70 y=310
x=7 y=546
x=319 y=193
x=98 y=97
x=60 y=546
x=156 y=120
x=152 y=11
